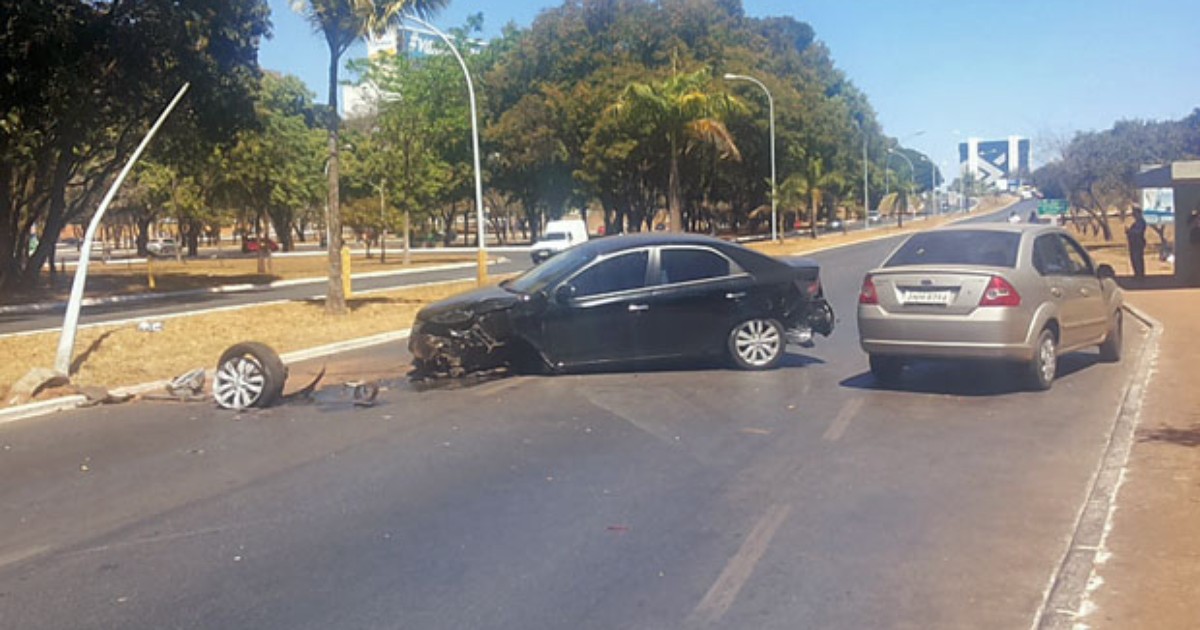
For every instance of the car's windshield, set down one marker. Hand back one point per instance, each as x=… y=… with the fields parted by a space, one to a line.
x=551 y=271
x=958 y=247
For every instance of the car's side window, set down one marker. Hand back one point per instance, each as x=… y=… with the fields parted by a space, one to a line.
x=619 y=273
x=687 y=264
x=1081 y=265
x=1049 y=257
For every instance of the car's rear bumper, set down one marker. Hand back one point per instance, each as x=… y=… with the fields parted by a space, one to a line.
x=988 y=333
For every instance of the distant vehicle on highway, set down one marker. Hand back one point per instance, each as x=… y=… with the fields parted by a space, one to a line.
x=623 y=299
x=558 y=236
x=254 y=244
x=162 y=247
x=1024 y=294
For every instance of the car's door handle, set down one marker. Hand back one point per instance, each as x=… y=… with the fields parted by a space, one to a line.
x=1056 y=292
x=634 y=308
x=735 y=296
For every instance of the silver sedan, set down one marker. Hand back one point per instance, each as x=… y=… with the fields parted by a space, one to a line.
x=1022 y=293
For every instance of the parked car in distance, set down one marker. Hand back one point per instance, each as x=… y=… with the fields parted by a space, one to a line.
x=558 y=236
x=254 y=244
x=627 y=299
x=161 y=247
x=1021 y=293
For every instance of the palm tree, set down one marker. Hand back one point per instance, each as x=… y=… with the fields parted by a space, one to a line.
x=811 y=184
x=342 y=22
x=680 y=113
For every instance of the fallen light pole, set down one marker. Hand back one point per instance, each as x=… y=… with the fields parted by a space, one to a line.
x=66 y=342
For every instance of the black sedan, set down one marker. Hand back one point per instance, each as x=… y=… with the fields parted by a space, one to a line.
x=624 y=299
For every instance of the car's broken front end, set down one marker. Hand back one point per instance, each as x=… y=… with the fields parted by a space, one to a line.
x=468 y=334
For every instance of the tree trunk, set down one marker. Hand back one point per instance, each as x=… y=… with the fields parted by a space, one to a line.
x=674 y=208
x=335 y=296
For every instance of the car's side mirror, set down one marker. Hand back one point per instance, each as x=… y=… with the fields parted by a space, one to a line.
x=1105 y=271
x=564 y=293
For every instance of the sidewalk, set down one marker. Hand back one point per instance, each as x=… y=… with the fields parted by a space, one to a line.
x=1151 y=578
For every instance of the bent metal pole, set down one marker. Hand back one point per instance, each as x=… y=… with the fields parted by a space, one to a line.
x=66 y=341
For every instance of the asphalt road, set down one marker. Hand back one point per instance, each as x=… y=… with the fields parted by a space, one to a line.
x=805 y=497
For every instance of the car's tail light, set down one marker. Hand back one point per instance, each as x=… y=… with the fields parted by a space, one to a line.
x=1000 y=293
x=814 y=288
x=867 y=294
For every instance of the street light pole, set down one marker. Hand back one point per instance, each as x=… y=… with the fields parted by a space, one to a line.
x=771 y=109
x=481 y=256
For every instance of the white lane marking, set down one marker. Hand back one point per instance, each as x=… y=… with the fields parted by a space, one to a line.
x=838 y=427
x=740 y=567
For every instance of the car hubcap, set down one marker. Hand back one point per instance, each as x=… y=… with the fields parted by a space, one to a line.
x=757 y=342
x=1048 y=360
x=239 y=383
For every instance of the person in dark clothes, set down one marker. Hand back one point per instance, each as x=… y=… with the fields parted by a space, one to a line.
x=1136 y=236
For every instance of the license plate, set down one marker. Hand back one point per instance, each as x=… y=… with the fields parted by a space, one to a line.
x=940 y=298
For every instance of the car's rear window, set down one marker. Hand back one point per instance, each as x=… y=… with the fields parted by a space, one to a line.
x=958 y=247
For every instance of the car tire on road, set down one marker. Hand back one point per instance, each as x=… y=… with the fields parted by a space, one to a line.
x=249 y=374
x=1110 y=348
x=886 y=369
x=757 y=344
x=1040 y=370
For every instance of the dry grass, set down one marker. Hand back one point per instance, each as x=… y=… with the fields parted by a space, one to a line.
x=111 y=356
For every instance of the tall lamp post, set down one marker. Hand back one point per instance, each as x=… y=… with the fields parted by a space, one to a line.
x=429 y=29
x=771 y=110
x=896 y=153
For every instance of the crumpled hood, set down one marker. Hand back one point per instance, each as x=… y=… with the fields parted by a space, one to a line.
x=464 y=306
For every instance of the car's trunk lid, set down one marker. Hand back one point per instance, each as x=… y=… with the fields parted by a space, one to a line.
x=939 y=291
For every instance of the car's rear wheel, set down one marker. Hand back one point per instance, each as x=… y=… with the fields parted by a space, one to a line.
x=886 y=369
x=1040 y=370
x=248 y=375
x=757 y=344
x=1110 y=348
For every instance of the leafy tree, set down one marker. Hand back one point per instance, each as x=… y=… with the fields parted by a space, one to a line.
x=342 y=22
x=679 y=113
x=92 y=77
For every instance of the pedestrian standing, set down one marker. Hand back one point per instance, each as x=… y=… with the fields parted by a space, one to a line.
x=1135 y=234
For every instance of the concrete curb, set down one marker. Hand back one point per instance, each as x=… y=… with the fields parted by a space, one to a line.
x=1067 y=599
x=65 y=403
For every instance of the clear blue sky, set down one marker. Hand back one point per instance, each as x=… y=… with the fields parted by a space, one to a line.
x=1042 y=69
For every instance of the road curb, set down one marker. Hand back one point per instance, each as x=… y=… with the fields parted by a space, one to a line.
x=74 y=401
x=1067 y=598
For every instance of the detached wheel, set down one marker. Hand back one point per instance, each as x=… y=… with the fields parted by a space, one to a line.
x=248 y=375
x=757 y=344
x=1110 y=348
x=1039 y=373
x=886 y=370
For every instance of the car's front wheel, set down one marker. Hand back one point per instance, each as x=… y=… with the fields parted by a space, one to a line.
x=757 y=344
x=1041 y=369
x=249 y=374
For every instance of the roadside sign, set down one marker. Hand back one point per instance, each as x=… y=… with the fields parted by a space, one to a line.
x=1052 y=207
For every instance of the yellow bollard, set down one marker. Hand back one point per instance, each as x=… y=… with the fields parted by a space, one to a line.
x=346 y=288
x=482 y=273
x=150 y=272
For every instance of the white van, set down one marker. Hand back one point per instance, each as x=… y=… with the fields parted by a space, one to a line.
x=559 y=235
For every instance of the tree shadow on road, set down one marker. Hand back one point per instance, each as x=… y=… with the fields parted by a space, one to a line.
x=1189 y=437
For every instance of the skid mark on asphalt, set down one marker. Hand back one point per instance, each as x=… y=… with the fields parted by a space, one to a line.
x=737 y=572
x=838 y=427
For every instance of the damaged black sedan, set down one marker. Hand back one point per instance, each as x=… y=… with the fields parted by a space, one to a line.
x=627 y=299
